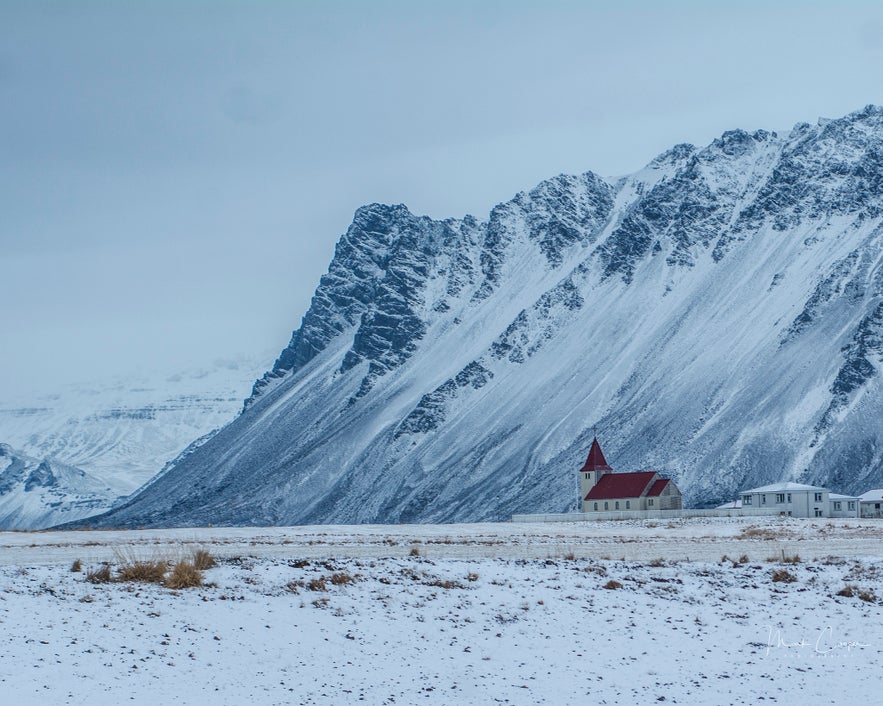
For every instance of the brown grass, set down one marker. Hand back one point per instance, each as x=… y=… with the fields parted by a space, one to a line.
x=99 y=575
x=414 y=551
x=342 y=579
x=184 y=575
x=848 y=591
x=143 y=571
x=202 y=559
x=783 y=576
x=472 y=577
x=612 y=585
x=867 y=596
x=77 y=566
x=317 y=584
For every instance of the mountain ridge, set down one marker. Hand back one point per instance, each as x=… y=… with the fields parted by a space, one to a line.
x=717 y=314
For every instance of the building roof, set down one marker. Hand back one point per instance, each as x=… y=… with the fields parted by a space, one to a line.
x=781 y=487
x=596 y=460
x=621 y=485
x=838 y=496
x=872 y=496
x=732 y=505
x=657 y=488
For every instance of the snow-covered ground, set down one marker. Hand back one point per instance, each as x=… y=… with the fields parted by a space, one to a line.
x=483 y=614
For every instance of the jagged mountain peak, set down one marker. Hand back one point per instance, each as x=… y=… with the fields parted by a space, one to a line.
x=718 y=312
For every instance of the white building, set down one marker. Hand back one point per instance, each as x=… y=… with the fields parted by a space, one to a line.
x=792 y=499
x=871 y=503
x=842 y=505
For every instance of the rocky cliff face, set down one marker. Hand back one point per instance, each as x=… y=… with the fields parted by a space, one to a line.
x=717 y=316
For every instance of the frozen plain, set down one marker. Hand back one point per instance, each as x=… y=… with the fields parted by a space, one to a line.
x=487 y=613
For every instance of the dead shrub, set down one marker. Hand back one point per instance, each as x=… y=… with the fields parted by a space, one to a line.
x=471 y=577
x=570 y=556
x=299 y=563
x=202 y=559
x=414 y=551
x=184 y=575
x=143 y=572
x=743 y=559
x=657 y=563
x=783 y=576
x=77 y=566
x=342 y=579
x=612 y=585
x=867 y=596
x=294 y=587
x=317 y=584
x=793 y=559
x=99 y=575
x=848 y=591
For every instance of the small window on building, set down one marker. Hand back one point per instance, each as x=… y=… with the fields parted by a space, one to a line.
x=746 y=500
x=851 y=505
x=818 y=512
x=780 y=498
x=596 y=506
x=789 y=497
x=616 y=505
x=763 y=499
x=628 y=504
x=605 y=506
x=650 y=502
x=818 y=497
x=836 y=505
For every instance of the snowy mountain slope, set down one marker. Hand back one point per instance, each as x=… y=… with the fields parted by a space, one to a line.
x=124 y=430
x=37 y=494
x=717 y=316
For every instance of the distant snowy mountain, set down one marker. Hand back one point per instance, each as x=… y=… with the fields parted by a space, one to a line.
x=124 y=430
x=717 y=315
x=36 y=494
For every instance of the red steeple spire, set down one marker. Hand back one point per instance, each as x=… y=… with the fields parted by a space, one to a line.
x=596 y=460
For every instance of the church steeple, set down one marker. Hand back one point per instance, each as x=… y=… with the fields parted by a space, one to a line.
x=592 y=470
x=596 y=460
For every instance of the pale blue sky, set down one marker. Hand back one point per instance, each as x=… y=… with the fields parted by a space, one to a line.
x=173 y=176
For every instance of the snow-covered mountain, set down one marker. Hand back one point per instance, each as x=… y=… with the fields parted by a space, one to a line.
x=36 y=494
x=125 y=429
x=718 y=316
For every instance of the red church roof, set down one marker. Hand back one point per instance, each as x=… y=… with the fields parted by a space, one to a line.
x=596 y=460
x=657 y=488
x=621 y=485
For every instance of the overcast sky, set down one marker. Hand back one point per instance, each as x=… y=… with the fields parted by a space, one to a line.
x=174 y=176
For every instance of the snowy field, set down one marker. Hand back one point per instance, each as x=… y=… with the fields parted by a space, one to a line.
x=618 y=612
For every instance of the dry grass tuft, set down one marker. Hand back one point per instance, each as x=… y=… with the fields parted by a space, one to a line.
x=202 y=559
x=184 y=575
x=99 y=575
x=783 y=576
x=143 y=571
x=657 y=563
x=77 y=566
x=612 y=585
x=867 y=596
x=848 y=591
x=570 y=556
x=414 y=551
x=317 y=584
x=471 y=577
x=342 y=579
